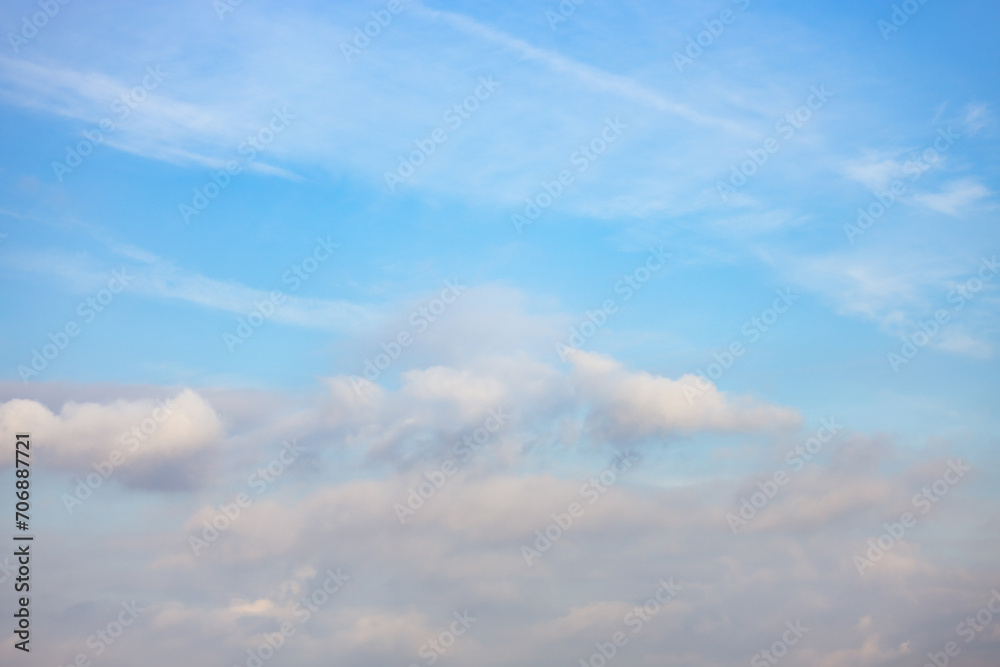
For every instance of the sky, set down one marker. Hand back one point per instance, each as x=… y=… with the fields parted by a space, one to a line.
x=637 y=333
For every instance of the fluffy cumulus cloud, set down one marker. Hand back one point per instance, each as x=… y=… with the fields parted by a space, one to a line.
x=152 y=436
x=631 y=405
x=595 y=401
x=481 y=551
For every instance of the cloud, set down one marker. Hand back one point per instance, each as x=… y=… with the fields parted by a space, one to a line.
x=589 y=76
x=154 y=124
x=596 y=402
x=148 y=433
x=462 y=551
x=875 y=171
x=955 y=198
x=977 y=116
x=955 y=340
x=155 y=277
x=630 y=405
x=369 y=448
x=162 y=279
x=462 y=548
x=549 y=106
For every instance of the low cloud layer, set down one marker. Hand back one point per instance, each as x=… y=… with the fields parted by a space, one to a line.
x=543 y=561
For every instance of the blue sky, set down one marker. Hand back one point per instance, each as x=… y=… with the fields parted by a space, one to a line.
x=837 y=111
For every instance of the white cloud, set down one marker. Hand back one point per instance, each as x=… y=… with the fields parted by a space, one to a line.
x=875 y=171
x=145 y=431
x=636 y=404
x=954 y=339
x=159 y=278
x=956 y=197
x=597 y=401
x=462 y=551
